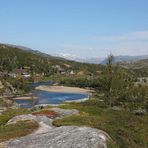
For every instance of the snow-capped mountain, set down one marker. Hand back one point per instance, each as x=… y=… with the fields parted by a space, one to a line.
x=74 y=57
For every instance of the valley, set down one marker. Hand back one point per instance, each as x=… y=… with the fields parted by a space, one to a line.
x=118 y=103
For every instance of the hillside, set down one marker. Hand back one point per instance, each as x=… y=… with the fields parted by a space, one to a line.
x=15 y=57
x=140 y=67
x=140 y=64
x=126 y=59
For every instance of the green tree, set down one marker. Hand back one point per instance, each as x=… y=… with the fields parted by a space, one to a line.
x=115 y=84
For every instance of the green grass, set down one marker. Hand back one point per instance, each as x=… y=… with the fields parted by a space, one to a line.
x=3 y=103
x=126 y=130
x=8 y=114
x=19 y=129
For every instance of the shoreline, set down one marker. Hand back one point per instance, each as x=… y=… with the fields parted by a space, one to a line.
x=25 y=98
x=59 y=89
x=63 y=89
x=79 y=100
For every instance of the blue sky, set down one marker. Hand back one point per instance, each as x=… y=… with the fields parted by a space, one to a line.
x=85 y=28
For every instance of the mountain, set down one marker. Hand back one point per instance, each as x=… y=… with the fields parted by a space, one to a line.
x=139 y=64
x=15 y=57
x=12 y=56
x=126 y=59
x=32 y=51
x=93 y=60
x=73 y=57
x=103 y=61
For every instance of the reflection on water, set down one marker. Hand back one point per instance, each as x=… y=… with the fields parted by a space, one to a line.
x=44 y=97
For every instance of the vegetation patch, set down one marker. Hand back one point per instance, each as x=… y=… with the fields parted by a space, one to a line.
x=126 y=129
x=10 y=113
x=2 y=103
x=21 y=128
x=48 y=113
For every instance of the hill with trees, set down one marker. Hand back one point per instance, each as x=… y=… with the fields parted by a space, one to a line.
x=14 y=57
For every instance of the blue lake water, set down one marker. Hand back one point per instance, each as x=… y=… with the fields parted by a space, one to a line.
x=44 y=97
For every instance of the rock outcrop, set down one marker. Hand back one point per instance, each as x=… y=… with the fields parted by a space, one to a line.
x=63 y=137
x=49 y=136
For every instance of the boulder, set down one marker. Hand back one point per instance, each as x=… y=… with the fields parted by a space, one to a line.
x=49 y=136
x=63 y=137
x=38 y=119
x=64 y=112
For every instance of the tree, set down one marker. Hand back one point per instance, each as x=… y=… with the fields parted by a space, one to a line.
x=108 y=80
x=115 y=84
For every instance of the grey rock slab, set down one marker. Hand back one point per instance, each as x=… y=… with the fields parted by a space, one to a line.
x=45 y=123
x=48 y=136
x=64 y=112
x=44 y=119
x=21 y=118
x=63 y=137
x=38 y=119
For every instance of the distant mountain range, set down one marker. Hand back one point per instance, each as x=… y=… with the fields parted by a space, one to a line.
x=126 y=59
x=78 y=59
x=140 y=64
x=103 y=61
x=94 y=60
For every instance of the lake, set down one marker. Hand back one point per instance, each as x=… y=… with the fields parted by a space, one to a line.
x=45 y=97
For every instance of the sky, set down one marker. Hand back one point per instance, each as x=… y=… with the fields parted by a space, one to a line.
x=83 y=28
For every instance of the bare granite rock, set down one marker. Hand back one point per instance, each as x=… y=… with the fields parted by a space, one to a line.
x=49 y=136
x=64 y=112
x=63 y=137
x=21 y=118
x=38 y=119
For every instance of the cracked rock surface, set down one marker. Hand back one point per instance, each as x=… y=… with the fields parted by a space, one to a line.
x=49 y=136
x=63 y=137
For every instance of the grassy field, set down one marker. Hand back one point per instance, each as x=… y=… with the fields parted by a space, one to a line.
x=19 y=129
x=126 y=130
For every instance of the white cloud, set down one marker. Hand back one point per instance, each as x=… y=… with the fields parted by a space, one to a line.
x=133 y=43
x=132 y=36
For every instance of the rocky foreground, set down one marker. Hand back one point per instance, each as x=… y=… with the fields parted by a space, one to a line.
x=49 y=136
